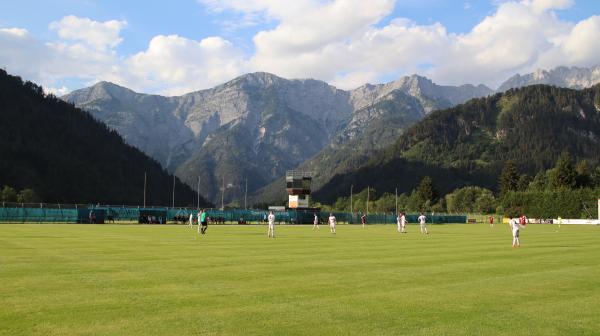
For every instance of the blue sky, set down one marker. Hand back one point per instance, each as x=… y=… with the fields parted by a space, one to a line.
x=176 y=47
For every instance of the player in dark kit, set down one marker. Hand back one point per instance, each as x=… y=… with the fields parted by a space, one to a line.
x=204 y=222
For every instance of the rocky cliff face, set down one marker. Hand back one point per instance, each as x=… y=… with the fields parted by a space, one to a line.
x=567 y=77
x=259 y=125
x=431 y=95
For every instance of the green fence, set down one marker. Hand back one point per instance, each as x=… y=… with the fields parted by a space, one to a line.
x=81 y=213
x=37 y=215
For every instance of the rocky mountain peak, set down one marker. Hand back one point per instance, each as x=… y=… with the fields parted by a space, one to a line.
x=256 y=79
x=562 y=76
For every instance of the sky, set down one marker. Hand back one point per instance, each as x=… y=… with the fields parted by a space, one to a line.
x=176 y=47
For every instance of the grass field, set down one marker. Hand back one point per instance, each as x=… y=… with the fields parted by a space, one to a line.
x=165 y=280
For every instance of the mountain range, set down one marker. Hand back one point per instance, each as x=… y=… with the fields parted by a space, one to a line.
x=249 y=131
x=257 y=126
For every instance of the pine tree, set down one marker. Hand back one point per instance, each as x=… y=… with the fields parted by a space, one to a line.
x=426 y=190
x=540 y=181
x=596 y=177
x=584 y=178
x=509 y=178
x=566 y=176
x=523 y=182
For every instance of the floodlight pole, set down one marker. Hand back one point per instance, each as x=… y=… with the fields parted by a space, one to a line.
x=396 y=201
x=144 y=189
x=198 y=192
x=246 y=195
x=351 y=207
x=173 y=205
x=223 y=193
x=368 y=200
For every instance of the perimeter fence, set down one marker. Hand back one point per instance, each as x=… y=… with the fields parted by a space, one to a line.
x=90 y=213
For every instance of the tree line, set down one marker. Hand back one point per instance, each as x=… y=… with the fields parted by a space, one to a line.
x=10 y=195
x=567 y=190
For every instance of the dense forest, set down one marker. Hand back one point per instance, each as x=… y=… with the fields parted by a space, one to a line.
x=468 y=145
x=65 y=156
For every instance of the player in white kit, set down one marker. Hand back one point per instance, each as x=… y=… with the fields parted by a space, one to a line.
x=271 y=220
x=401 y=221
x=191 y=219
x=332 y=223
x=423 y=223
x=316 y=221
x=515 y=226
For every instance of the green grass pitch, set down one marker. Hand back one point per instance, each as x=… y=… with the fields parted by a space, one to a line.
x=167 y=280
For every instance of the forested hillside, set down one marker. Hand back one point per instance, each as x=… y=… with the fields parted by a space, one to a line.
x=66 y=156
x=469 y=144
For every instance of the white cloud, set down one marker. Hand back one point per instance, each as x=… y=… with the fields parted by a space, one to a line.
x=513 y=39
x=100 y=35
x=340 y=41
x=21 y=53
x=61 y=91
x=176 y=65
x=317 y=39
x=71 y=57
x=354 y=79
x=540 y=6
x=19 y=32
x=582 y=45
x=518 y=37
x=273 y=9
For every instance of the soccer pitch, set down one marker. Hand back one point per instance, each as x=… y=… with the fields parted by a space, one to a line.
x=167 y=280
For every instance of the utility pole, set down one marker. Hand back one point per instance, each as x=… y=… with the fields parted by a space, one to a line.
x=246 y=195
x=144 y=189
x=223 y=194
x=198 y=191
x=173 y=205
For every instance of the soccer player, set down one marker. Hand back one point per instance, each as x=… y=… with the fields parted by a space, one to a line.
x=204 y=222
x=271 y=220
x=363 y=220
x=191 y=219
x=523 y=220
x=316 y=221
x=199 y=219
x=422 y=223
x=399 y=221
x=515 y=225
x=491 y=221
x=559 y=222
x=332 y=223
x=403 y=222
